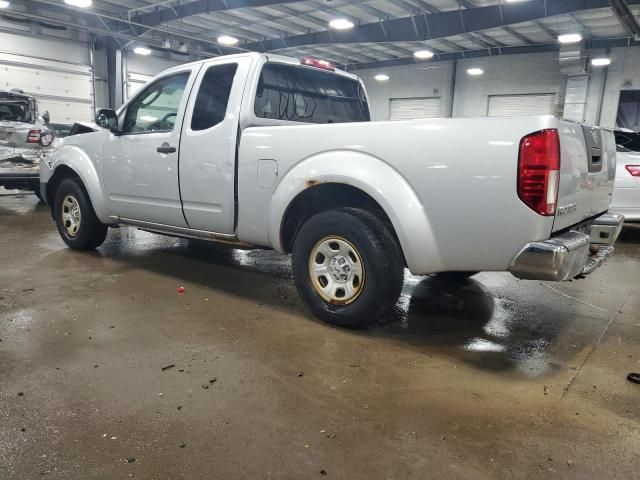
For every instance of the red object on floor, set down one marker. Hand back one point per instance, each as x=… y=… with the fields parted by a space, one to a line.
x=180 y=289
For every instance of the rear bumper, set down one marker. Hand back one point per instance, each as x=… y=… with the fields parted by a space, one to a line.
x=570 y=254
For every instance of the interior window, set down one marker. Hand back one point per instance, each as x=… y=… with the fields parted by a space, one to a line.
x=305 y=94
x=156 y=108
x=213 y=96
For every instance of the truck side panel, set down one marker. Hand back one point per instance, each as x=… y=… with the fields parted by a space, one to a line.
x=463 y=173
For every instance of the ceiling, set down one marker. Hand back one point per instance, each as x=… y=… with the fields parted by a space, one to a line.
x=385 y=32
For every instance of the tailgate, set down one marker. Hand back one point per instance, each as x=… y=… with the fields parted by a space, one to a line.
x=587 y=173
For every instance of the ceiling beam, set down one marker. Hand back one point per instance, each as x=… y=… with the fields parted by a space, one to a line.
x=438 y=24
x=196 y=7
x=625 y=17
x=524 y=49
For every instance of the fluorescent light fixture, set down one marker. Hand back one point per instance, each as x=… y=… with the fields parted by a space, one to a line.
x=78 y=3
x=475 y=72
x=227 y=40
x=423 y=54
x=600 y=62
x=382 y=77
x=570 y=38
x=4 y=3
x=141 y=51
x=341 y=24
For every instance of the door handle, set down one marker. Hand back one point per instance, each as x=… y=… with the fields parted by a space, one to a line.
x=166 y=148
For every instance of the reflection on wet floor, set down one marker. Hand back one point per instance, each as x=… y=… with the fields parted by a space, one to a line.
x=476 y=323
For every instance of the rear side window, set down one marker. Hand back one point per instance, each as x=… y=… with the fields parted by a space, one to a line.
x=305 y=94
x=213 y=96
x=628 y=141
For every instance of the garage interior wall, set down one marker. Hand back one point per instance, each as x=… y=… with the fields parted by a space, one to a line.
x=55 y=71
x=504 y=75
x=139 y=69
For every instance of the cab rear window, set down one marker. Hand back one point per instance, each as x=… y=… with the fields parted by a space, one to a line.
x=306 y=94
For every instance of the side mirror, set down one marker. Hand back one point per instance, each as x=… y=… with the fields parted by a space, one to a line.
x=107 y=118
x=46 y=117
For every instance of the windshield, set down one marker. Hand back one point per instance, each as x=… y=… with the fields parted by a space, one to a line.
x=16 y=112
x=627 y=141
x=305 y=94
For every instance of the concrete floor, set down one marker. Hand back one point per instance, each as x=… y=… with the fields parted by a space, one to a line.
x=497 y=378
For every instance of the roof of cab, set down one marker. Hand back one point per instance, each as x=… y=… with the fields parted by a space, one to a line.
x=269 y=58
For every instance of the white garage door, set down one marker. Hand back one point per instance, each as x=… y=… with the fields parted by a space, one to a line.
x=412 y=108
x=514 y=105
x=135 y=81
x=64 y=89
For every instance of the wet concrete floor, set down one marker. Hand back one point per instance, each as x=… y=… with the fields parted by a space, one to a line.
x=494 y=378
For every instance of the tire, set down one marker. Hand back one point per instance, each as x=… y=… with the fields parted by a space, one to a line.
x=455 y=276
x=375 y=270
x=83 y=231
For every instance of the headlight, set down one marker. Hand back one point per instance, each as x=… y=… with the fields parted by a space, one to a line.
x=46 y=139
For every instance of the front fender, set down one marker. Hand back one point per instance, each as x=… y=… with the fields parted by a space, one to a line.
x=82 y=163
x=377 y=179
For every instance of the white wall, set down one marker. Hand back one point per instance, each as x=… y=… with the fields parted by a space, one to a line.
x=623 y=74
x=507 y=74
x=408 y=81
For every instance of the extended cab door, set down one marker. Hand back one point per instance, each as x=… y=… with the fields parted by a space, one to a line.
x=140 y=166
x=208 y=145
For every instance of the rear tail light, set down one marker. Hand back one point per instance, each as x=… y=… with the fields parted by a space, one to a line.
x=33 y=136
x=314 y=62
x=634 y=170
x=539 y=171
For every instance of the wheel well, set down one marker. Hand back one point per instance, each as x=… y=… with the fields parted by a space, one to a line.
x=322 y=197
x=60 y=174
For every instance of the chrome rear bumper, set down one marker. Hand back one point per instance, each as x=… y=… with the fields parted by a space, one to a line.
x=570 y=254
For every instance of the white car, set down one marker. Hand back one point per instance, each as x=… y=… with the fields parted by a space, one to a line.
x=626 y=195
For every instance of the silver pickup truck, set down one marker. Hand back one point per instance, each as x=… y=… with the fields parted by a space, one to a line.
x=266 y=151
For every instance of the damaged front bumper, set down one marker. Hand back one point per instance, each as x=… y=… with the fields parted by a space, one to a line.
x=571 y=254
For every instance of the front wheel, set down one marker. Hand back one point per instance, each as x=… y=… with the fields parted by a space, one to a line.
x=347 y=266
x=75 y=218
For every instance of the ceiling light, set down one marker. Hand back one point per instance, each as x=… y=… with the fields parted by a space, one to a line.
x=141 y=51
x=600 y=62
x=78 y=3
x=382 y=77
x=423 y=54
x=474 y=72
x=341 y=24
x=4 y=3
x=227 y=40
x=570 y=38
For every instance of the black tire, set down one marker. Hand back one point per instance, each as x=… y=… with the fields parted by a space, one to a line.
x=380 y=256
x=455 y=276
x=90 y=231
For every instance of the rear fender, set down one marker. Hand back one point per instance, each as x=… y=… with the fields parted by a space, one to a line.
x=378 y=180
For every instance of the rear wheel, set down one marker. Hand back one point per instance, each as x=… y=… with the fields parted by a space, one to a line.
x=347 y=267
x=75 y=218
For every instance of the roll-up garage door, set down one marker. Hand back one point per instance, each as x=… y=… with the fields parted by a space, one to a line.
x=514 y=105
x=63 y=89
x=135 y=81
x=412 y=108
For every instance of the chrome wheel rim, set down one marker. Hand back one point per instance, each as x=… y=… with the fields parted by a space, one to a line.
x=71 y=215
x=336 y=270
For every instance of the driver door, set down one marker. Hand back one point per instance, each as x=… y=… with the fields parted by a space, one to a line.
x=140 y=166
